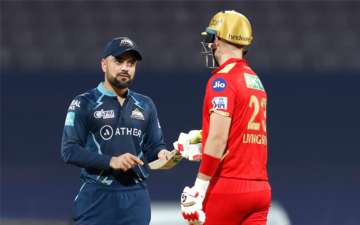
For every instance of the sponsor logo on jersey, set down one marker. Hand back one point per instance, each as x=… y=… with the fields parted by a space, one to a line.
x=137 y=114
x=74 y=104
x=220 y=103
x=104 y=114
x=70 y=119
x=218 y=85
x=107 y=132
x=253 y=82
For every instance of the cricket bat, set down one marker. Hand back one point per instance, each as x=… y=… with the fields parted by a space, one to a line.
x=162 y=164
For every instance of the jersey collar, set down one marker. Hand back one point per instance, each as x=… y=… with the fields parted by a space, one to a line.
x=107 y=92
x=227 y=62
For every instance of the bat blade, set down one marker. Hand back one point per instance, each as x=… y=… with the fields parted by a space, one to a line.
x=162 y=164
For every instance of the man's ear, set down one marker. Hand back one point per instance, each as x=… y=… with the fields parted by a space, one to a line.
x=103 y=65
x=217 y=42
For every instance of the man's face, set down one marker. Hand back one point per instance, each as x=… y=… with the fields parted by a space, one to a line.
x=119 y=71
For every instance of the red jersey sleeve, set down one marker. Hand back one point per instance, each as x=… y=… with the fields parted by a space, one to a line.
x=220 y=95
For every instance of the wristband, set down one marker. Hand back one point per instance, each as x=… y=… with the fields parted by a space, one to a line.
x=209 y=165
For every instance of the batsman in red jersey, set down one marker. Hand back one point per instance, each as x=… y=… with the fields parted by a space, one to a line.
x=232 y=185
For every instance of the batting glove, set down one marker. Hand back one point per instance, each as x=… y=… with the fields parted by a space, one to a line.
x=192 y=202
x=189 y=145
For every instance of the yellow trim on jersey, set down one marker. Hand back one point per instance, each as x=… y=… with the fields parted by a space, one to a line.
x=222 y=113
x=227 y=68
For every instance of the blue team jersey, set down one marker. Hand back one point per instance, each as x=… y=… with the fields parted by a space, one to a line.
x=97 y=127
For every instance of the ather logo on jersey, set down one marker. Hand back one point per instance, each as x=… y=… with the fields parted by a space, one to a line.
x=218 y=85
x=107 y=132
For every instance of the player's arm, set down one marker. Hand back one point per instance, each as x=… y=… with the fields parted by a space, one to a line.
x=192 y=198
x=74 y=137
x=220 y=102
x=215 y=145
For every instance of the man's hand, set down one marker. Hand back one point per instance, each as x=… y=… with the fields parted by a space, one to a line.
x=166 y=160
x=192 y=202
x=164 y=154
x=189 y=145
x=125 y=162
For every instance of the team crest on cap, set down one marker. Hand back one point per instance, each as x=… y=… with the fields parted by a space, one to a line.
x=127 y=43
x=137 y=114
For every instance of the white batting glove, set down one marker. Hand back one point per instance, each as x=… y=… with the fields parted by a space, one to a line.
x=192 y=202
x=189 y=145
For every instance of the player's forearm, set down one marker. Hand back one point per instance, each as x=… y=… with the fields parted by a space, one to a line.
x=79 y=156
x=214 y=150
x=215 y=146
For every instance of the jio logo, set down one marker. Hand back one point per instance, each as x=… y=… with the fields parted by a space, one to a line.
x=106 y=132
x=218 y=84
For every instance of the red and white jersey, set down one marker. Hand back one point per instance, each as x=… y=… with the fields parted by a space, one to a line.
x=235 y=90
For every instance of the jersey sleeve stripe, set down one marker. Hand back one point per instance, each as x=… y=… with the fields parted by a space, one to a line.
x=222 y=113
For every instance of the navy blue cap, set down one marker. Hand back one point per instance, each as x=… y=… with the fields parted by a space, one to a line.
x=119 y=45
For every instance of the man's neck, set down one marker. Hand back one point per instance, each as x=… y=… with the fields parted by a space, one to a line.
x=121 y=93
x=225 y=57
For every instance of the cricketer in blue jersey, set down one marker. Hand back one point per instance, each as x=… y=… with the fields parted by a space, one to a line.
x=111 y=132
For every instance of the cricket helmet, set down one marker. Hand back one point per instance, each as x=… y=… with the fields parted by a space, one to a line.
x=230 y=26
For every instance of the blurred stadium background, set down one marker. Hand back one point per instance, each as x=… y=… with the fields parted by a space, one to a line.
x=306 y=52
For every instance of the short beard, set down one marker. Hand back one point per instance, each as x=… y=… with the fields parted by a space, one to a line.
x=118 y=83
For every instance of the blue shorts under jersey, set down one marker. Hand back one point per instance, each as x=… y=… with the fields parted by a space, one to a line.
x=102 y=205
